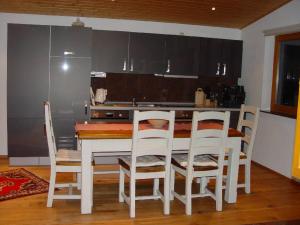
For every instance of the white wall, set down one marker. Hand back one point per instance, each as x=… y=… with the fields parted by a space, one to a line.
x=275 y=136
x=105 y=24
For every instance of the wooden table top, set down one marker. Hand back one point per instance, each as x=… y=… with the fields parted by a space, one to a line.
x=124 y=130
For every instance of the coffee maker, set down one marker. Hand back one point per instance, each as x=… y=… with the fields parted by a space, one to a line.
x=231 y=96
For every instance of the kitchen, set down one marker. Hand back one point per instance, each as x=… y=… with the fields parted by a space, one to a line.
x=252 y=78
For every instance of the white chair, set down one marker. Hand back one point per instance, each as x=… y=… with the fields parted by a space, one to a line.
x=61 y=160
x=143 y=163
x=247 y=124
x=199 y=162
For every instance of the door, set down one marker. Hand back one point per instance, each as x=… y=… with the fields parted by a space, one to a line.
x=69 y=96
x=70 y=68
x=71 y=41
x=110 y=51
x=181 y=55
x=224 y=57
x=27 y=89
x=236 y=59
x=146 y=53
x=214 y=57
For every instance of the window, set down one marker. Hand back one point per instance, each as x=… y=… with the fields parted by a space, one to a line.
x=286 y=72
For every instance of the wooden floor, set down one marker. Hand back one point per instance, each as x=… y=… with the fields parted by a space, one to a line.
x=273 y=198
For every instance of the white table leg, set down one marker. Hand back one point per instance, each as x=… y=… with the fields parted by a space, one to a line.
x=233 y=170
x=86 y=188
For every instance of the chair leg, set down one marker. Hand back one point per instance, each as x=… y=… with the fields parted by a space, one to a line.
x=167 y=193
x=218 y=193
x=172 y=183
x=121 y=184
x=92 y=185
x=132 y=196
x=247 y=177
x=155 y=186
x=188 y=195
x=203 y=184
x=78 y=179
x=51 y=188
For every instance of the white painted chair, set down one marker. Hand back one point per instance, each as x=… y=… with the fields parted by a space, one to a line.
x=247 y=124
x=61 y=160
x=199 y=163
x=144 y=163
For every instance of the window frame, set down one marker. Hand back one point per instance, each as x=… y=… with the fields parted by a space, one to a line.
x=290 y=111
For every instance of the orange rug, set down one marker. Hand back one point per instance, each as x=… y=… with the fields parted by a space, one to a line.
x=20 y=182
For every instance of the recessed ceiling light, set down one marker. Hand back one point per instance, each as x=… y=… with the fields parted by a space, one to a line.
x=213 y=8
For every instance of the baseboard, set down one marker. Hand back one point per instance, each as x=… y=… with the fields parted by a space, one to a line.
x=3 y=156
x=272 y=171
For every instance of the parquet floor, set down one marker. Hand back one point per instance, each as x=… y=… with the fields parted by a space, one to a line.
x=273 y=198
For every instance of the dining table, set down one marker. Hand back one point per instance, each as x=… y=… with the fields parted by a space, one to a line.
x=111 y=138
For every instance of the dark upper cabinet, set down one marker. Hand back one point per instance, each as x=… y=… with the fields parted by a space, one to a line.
x=71 y=41
x=181 y=55
x=223 y=57
x=146 y=53
x=236 y=58
x=110 y=51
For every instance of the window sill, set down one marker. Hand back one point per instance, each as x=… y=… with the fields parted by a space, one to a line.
x=278 y=114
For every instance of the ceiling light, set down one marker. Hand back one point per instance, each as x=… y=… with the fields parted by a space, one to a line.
x=213 y=8
x=78 y=23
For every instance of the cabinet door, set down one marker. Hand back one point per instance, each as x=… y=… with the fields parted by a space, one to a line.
x=236 y=58
x=71 y=41
x=181 y=55
x=224 y=57
x=146 y=53
x=27 y=70
x=26 y=137
x=27 y=89
x=69 y=95
x=214 y=56
x=110 y=51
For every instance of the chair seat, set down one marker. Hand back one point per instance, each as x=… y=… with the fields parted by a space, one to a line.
x=66 y=155
x=201 y=162
x=242 y=154
x=143 y=161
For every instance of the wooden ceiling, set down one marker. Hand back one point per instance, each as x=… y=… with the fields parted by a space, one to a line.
x=228 y=13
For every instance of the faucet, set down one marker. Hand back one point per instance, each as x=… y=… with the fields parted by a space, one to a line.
x=133 y=102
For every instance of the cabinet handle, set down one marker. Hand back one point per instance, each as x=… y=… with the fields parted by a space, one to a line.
x=131 y=65
x=168 y=66
x=224 y=69
x=85 y=108
x=44 y=129
x=125 y=65
x=218 y=69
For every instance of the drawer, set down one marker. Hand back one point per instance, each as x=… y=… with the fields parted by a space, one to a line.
x=109 y=114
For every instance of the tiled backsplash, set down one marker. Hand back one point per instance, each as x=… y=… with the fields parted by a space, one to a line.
x=150 y=88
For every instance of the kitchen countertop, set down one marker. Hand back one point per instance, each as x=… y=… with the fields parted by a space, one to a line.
x=154 y=107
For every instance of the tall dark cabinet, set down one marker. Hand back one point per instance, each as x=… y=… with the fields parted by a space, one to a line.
x=46 y=63
x=27 y=89
x=70 y=67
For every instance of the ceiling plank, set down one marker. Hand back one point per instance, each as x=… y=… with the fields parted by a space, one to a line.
x=228 y=13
